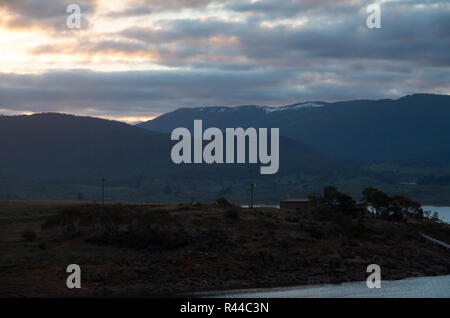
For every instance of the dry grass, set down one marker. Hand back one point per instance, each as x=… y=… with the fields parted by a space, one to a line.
x=148 y=249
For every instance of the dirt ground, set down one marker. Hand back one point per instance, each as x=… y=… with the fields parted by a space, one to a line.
x=146 y=250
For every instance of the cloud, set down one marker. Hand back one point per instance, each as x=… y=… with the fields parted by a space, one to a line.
x=225 y=53
x=421 y=35
x=130 y=11
x=149 y=92
x=178 y=4
x=145 y=7
x=46 y=14
x=286 y=9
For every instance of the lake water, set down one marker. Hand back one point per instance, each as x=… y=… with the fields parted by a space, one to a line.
x=444 y=211
x=416 y=287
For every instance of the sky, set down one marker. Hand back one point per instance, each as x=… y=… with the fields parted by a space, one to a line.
x=133 y=60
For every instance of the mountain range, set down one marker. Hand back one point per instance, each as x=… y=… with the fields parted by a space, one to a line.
x=52 y=145
x=414 y=127
x=52 y=154
x=386 y=143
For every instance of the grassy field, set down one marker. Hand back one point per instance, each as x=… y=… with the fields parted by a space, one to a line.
x=390 y=178
x=154 y=250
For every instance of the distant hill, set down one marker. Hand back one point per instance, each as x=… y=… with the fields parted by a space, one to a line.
x=64 y=156
x=64 y=146
x=414 y=127
x=58 y=145
x=58 y=156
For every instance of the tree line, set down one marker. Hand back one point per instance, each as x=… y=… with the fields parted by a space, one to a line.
x=375 y=203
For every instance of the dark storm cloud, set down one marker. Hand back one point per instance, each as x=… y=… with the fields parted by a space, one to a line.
x=417 y=34
x=117 y=90
x=292 y=8
x=160 y=91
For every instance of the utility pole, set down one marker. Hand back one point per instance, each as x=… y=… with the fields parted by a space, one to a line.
x=252 y=188
x=103 y=191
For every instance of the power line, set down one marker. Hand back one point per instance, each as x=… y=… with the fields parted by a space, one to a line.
x=103 y=191
x=252 y=188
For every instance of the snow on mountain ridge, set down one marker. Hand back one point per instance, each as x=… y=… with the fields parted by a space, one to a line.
x=267 y=109
x=296 y=106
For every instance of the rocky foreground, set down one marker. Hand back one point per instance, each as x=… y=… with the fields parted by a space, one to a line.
x=168 y=250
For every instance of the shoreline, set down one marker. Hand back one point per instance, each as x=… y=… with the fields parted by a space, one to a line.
x=261 y=292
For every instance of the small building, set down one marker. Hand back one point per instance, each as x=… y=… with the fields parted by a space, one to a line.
x=296 y=204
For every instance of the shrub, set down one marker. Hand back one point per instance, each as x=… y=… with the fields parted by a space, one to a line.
x=315 y=232
x=223 y=202
x=152 y=238
x=358 y=229
x=29 y=235
x=232 y=213
x=435 y=217
x=82 y=220
x=185 y=206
